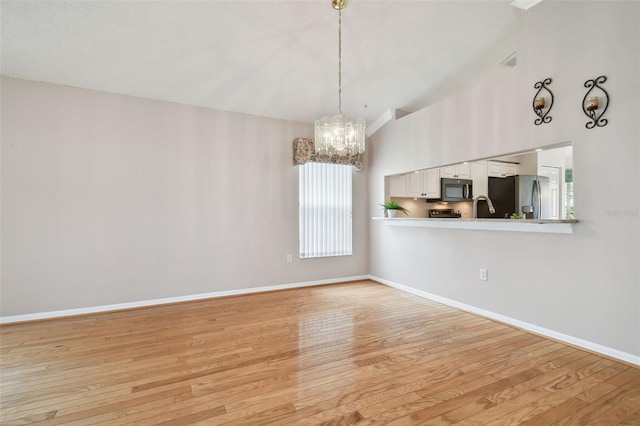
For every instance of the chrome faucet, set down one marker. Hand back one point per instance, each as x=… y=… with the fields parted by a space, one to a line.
x=475 y=205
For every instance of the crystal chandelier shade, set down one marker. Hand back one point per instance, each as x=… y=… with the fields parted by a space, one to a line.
x=340 y=134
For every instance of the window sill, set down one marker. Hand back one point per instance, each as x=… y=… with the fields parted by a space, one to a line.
x=513 y=225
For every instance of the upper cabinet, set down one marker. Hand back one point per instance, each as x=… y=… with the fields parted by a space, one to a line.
x=457 y=171
x=420 y=184
x=479 y=177
x=415 y=184
x=500 y=169
x=398 y=186
x=432 y=183
x=424 y=184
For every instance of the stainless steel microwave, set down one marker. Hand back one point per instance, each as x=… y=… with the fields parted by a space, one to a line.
x=456 y=189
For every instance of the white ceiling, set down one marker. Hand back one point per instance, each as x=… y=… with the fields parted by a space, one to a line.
x=268 y=58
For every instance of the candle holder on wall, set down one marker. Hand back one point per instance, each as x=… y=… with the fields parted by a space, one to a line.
x=591 y=102
x=540 y=105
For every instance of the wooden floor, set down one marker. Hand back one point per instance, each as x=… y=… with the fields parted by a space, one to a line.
x=358 y=353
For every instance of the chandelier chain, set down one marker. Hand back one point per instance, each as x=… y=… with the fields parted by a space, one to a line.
x=340 y=61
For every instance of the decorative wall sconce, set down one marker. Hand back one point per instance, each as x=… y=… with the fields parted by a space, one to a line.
x=591 y=104
x=540 y=104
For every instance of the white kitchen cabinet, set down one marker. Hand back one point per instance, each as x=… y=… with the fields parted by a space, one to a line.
x=457 y=171
x=423 y=184
x=415 y=184
x=499 y=169
x=432 y=183
x=398 y=186
x=480 y=178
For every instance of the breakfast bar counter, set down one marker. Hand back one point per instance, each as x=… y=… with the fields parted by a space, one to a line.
x=513 y=225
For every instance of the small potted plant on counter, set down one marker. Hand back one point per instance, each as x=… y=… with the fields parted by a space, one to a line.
x=391 y=208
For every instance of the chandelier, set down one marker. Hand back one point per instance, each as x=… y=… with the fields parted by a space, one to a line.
x=340 y=134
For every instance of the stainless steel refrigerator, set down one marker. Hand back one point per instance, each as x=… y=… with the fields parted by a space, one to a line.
x=525 y=195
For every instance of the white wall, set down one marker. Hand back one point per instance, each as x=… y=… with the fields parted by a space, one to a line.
x=528 y=164
x=109 y=199
x=585 y=285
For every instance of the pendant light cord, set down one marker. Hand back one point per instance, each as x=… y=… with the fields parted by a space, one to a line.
x=340 y=61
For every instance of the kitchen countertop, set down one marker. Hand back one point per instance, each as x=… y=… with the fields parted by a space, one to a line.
x=513 y=225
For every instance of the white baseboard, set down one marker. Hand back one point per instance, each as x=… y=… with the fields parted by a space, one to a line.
x=164 y=301
x=585 y=344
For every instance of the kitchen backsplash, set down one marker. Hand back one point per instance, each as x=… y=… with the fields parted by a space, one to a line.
x=419 y=208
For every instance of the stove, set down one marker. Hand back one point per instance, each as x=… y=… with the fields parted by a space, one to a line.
x=444 y=213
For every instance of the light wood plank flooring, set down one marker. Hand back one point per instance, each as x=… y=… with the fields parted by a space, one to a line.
x=357 y=353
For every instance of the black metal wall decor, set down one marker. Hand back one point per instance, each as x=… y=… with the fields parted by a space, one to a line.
x=591 y=103
x=540 y=106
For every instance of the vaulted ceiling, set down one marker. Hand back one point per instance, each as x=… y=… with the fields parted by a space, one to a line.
x=269 y=58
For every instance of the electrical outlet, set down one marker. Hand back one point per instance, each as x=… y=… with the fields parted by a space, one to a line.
x=483 y=274
x=289 y=258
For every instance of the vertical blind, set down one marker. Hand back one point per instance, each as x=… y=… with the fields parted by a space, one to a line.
x=325 y=210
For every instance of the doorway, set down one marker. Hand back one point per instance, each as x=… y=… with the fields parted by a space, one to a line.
x=555 y=189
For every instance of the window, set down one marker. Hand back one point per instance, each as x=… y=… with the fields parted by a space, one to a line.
x=325 y=210
x=568 y=194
